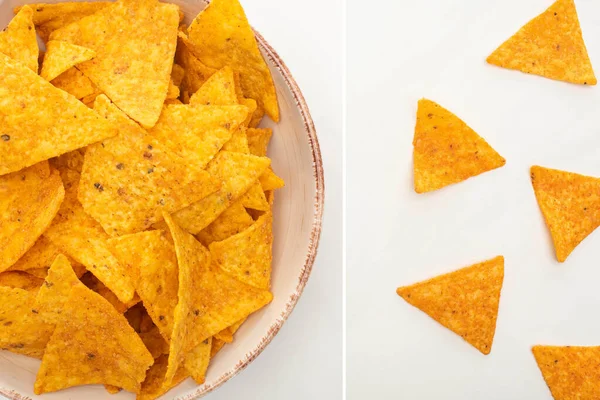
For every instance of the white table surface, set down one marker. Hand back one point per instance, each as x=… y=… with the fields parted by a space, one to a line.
x=398 y=52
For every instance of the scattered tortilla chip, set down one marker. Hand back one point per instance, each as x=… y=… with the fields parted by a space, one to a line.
x=446 y=150
x=20 y=280
x=78 y=235
x=233 y=220
x=128 y=180
x=197 y=133
x=155 y=342
x=97 y=286
x=177 y=74
x=247 y=255
x=152 y=264
x=255 y=198
x=226 y=335
x=94 y=354
x=172 y=91
x=23 y=331
x=217 y=345
x=570 y=204
x=40 y=257
x=220 y=36
x=60 y=56
x=74 y=82
x=269 y=181
x=218 y=90
x=18 y=40
x=154 y=386
x=571 y=372
x=258 y=140
x=550 y=45
x=29 y=200
x=464 y=301
x=49 y=128
x=237 y=171
x=196 y=73
x=151 y=49
x=50 y=17
x=197 y=360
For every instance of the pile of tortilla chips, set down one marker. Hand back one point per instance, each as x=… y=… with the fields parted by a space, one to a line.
x=136 y=194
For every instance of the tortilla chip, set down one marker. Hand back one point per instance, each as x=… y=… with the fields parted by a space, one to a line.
x=570 y=204
x=82 y=351
x=270 y=181
x=152 y=264
x=238 y=141
x=123 y=61
x=29 y=200
x=54 y=126
x=97 y=286
x=571 y=372
x=196 y=361
x=172 y=91
x=49 y=17
x=18 y=40
x=218 y=90
x=127 y=181
x=233 y=220
x=40 y=257
x=23 y=331
x=75 y=83
x=237 y=171
x=197 y=133
x=255 y=198
x=257 y=117
x=217 y=345
x=221 y=36
x=177 y=74
x=20 y=280
x=258 y=140
x=226 y=335
x=446 y=150
x=464 y=301
x=196 y=73
x=247 y=255
x=60 y=56
x=78 y=235
x=550 y=45
x=154 y=385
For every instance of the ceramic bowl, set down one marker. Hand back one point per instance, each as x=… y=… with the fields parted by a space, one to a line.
x=296 y=157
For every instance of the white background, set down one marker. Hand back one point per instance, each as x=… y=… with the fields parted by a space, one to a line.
x=398 y=52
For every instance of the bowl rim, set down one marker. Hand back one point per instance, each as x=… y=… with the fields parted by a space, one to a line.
x=315 y=233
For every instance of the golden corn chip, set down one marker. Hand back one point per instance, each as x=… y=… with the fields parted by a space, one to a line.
x=172 y=91
x=247 y=255
x=464 y=301
x=97 y=286
x=40 y=257
x=446 y=150
x=154 y=386
x=226 y=335
x=20 y=280
x=197 y=133
x=218 y=90
x=177 y=74
x=155 y=342
x=193 y=260
x=75 y=83
x=196 y=73
x=258 y=140
x=56 y=290
x=82 y=351
x=61 y=56
x=49 y=17
x=251 y=104
x=123 y=61
x=550 y=45
x=238 y=141
x=217 y=345
x=29 y=200
x=233 y=220
x=151 y=261
x=255 y=198
x=40 y=121
x=197 y=360
x=220 y=36
x=571 y=372
x=570 y=204
x=128 y=180
x=238 y=172
x=269 y=181
x=18 y=40
x=78 y=235
x=23 y=331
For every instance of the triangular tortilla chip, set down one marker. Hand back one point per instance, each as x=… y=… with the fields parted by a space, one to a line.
x=29 y=200
x=218 y=90
x=464 y=301
x=18 y=40
x=60 y=56
x=196 y=361
x=154 y=386
x=196 y=73
x=34 y=130
x=23 y=330
x=571 y=372
x=128 y=180
x=446 y=150
x=217 y=345
x=78 y=235
x=152 y=264
x=82 y=351
x=40 y=257
x=270 y=181
x=132 y=70
x=74 y=82
x=247 y=255
x=233 y=220
x=570 y=204
x=226 y=334
x=20 y=280
x=237 y=171
x=220 y=36
x=255 y=198
x=550 y=45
